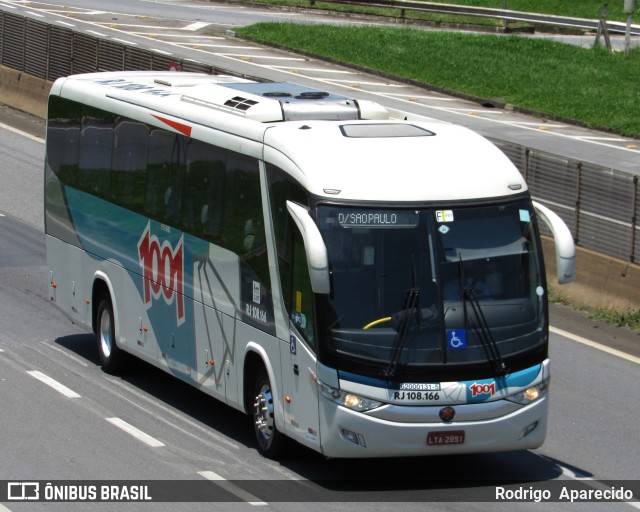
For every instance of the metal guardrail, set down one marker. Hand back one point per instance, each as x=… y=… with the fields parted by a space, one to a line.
x=599 y=204
x=487 y=12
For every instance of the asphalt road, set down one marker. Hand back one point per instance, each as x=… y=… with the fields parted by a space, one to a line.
x=146 y=425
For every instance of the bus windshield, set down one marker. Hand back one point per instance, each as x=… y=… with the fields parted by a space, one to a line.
x=449 y=292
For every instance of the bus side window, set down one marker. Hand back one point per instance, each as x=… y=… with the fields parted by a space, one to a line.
x=160 y=147
x=243 y=229
x=96 y=146
x=204 y=186
x=63 y=139
x=173 y=194
x=301 y=309
x=129 y=164
x=292 y=260
x=165 y=170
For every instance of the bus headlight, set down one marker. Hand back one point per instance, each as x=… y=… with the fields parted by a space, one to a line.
x=348 y=400
x=531 y=394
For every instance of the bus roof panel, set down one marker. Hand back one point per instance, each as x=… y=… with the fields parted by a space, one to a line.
x=448 y=162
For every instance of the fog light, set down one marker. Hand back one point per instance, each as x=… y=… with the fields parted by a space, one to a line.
x=353 y=437
x=528 y=429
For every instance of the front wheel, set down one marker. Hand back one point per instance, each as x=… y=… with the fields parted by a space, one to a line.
x=110 y=355
x=270 y=440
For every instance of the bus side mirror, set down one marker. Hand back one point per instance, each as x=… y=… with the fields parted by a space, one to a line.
x=317 y=258
x=565 y=248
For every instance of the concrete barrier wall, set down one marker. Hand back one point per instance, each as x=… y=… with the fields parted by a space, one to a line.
x=601 y=281
x=24 y=92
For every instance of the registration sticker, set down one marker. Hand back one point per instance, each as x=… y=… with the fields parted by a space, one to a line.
x=444 y=215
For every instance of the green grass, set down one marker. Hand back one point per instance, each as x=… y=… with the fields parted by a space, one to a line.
x=574 y=8
x=629 y=318
x=593 y=86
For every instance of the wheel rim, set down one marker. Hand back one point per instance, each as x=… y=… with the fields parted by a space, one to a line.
x=105 y=333
x=263 y=416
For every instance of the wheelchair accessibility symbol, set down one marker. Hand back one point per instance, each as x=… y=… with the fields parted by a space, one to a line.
x=456 y=338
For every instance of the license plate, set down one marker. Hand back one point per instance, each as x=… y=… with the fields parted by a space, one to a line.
x=445 y=438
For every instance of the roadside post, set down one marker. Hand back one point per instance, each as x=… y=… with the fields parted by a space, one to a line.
x=629 y=7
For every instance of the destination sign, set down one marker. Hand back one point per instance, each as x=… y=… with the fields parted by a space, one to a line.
x=377 y=219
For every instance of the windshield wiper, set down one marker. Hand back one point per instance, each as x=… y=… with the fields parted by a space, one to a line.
x=481 y=326
x=484 y=333
x=410 y=306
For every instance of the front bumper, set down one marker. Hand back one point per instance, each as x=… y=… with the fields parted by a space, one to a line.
x=345 y=433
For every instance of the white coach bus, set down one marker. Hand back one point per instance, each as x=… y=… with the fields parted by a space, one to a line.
x=364 y=281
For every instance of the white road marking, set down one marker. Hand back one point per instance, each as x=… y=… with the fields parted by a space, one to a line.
x=595 y=345
x=65 y=23
x=124 y=41
x=195 y=26
x=420 y=97
x=540 y=123
x=317 y=70
x=204 y=432
x=375 y=84
x=193 y=37
x=135 y=432
x=67 y=12
x=109 y=24
x=232 y=488
x=475 y=111
x=610 y=139
x=60 y=388
x=20 y=132
x=229 y=46
x=161 y=51
x=268 y=57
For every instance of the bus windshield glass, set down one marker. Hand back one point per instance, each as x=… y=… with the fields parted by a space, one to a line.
x=432 y=290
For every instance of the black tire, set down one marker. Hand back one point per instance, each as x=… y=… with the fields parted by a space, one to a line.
x=111 y=357
x=270 y=441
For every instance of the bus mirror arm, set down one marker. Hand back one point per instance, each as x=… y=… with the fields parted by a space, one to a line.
x=565 y=248
x=317 y=258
